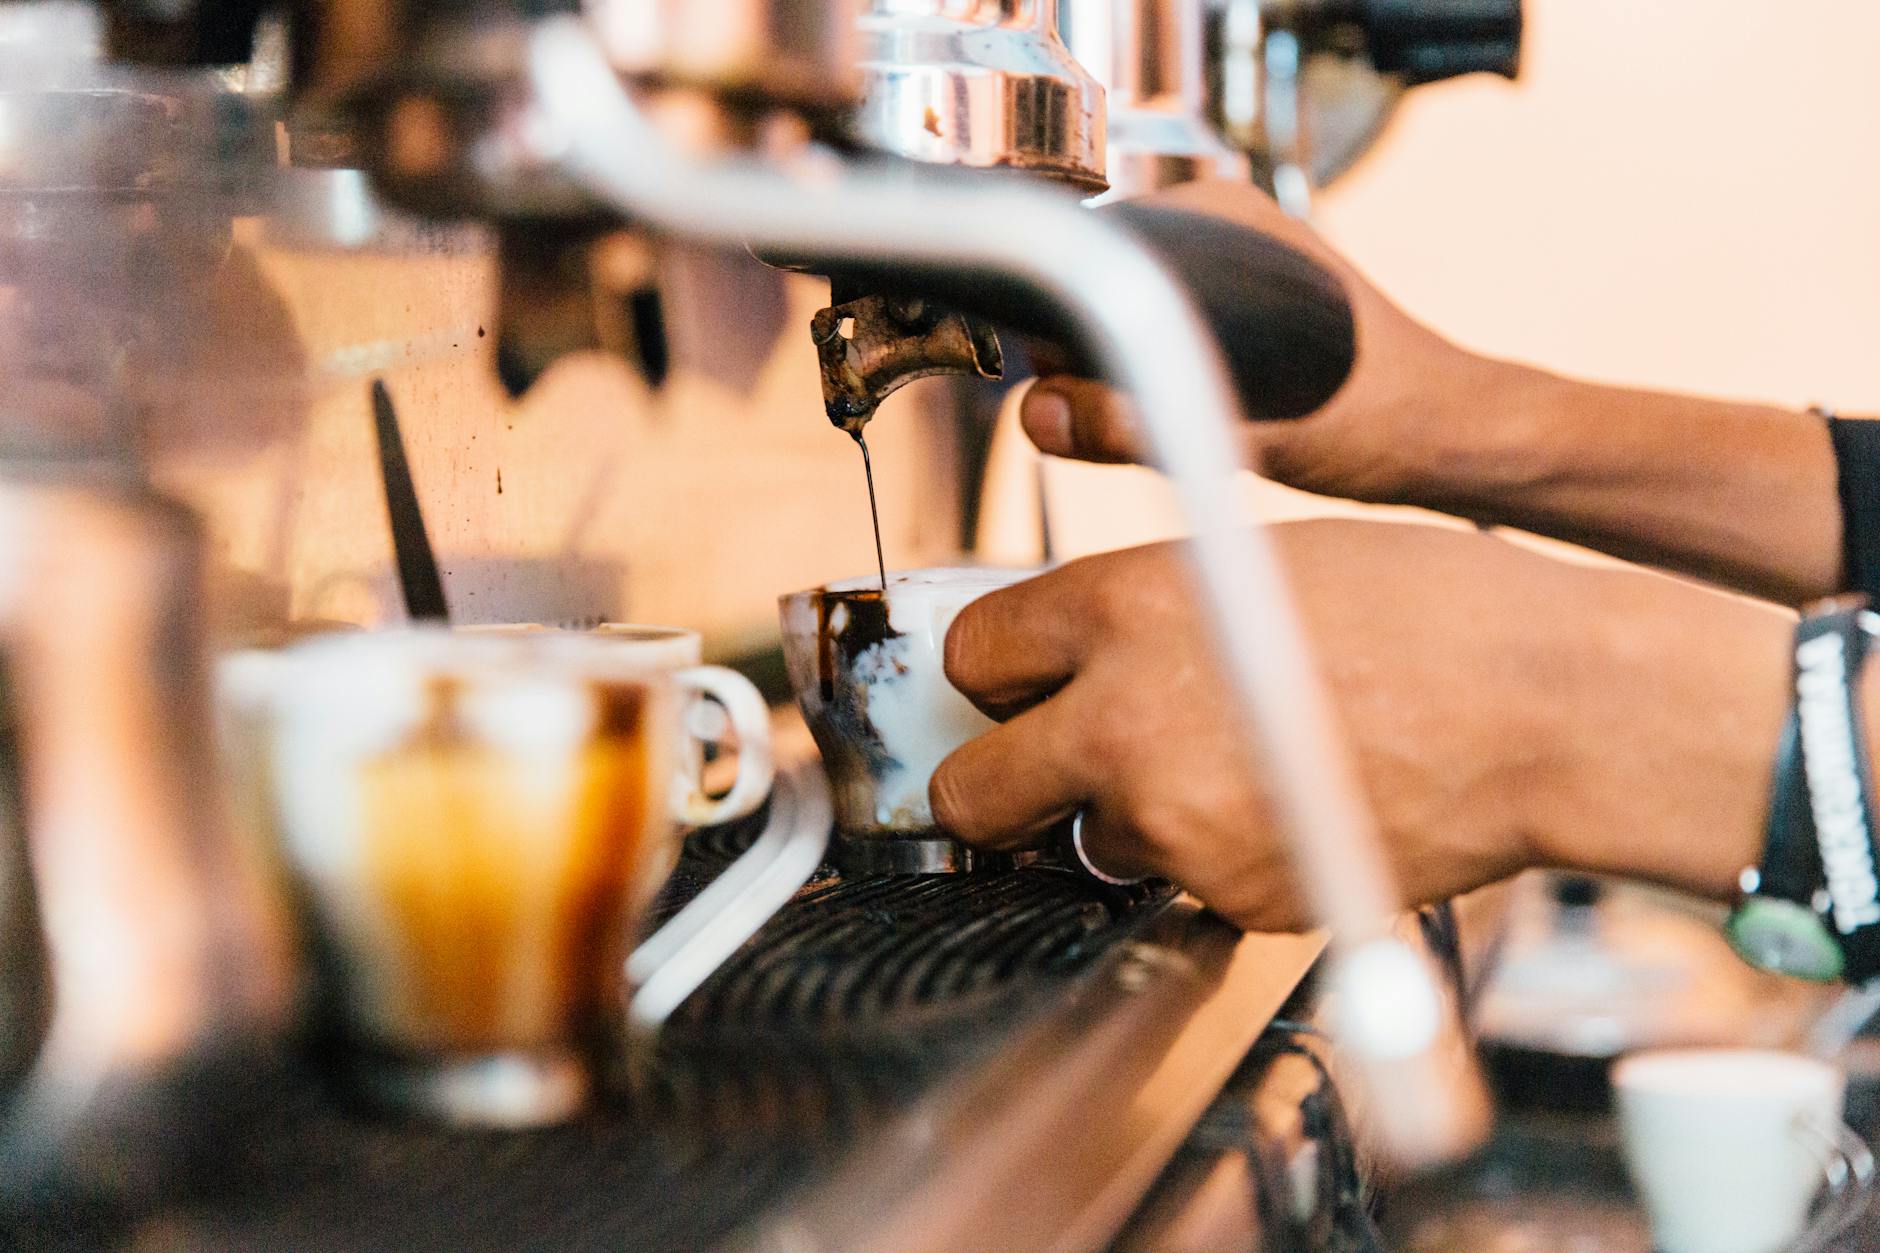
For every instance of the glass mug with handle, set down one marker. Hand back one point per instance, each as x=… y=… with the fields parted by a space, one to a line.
x=476 y=822
x=868 y=668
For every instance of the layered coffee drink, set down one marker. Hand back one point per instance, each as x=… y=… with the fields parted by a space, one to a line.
x=477 y=822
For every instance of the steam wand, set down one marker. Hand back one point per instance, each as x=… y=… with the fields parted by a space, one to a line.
x=1428 y=1103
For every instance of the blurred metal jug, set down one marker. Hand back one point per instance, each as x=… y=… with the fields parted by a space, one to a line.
x=163 y=962
x=23 y=993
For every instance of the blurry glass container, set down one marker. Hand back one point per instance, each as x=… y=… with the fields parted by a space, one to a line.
x=168 y=976
x=1589 y=972
x=117 y=195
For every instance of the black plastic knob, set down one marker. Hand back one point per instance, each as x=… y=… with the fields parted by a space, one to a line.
x=1426 y=41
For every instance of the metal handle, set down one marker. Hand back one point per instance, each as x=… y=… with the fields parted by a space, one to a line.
x=1282 y=322
x=673 y=961
x=1847 y=1166
x=24 y=993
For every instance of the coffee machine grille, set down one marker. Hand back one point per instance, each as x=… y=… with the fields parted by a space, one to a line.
x=861 y=995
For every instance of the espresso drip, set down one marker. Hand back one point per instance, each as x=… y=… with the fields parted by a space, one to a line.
x=874 y=511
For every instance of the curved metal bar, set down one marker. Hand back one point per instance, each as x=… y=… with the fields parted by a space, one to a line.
x=1142 y=325
x=672 y=962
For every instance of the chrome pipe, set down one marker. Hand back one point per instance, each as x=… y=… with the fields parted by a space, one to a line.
x=1143 y=326
x=1149 y=56
x=980 y=83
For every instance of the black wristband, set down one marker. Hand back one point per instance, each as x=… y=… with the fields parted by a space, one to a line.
x=1791 y=864
x=1857 y=465
x=1811 y=908
x=1831 y=646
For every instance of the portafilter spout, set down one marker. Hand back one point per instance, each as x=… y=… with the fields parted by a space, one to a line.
x=869 y=347
x=1129 y=315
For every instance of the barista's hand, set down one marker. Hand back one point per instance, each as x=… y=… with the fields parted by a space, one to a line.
x=1372 y=441
x=1506 y=710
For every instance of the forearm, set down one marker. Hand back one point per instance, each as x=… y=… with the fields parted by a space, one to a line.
x=1508 y=709
x=1743 y=495
x=1673 y=701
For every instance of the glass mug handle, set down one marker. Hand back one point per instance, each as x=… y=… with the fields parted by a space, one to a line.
x=1847 y=1169
x=750 y=718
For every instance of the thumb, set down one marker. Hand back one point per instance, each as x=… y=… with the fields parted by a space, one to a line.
x=1082 y=419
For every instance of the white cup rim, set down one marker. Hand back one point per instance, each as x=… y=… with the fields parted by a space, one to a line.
x=967 y=578
x=627 y=632
x=548 y=653
x=1701 y=1071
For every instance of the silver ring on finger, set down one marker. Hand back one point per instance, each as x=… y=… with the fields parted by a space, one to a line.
x=1083 y=857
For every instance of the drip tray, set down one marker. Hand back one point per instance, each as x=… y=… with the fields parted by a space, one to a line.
x=855 y=1002
x=863 y=991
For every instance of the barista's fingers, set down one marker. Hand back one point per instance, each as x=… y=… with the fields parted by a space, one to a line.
x=1008 y=787
x=1074 y=417
x=1012 y=648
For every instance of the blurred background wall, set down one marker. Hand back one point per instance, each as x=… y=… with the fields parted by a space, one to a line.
x=1677 y=193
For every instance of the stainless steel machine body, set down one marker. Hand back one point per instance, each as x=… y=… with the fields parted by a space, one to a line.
x=986 y=84
x=1149 y=56
x=1227 y=88
x=1305 y=86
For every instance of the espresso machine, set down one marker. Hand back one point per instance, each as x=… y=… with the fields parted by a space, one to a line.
x=928 y=159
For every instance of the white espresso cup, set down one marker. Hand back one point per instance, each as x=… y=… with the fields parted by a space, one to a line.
x=869 y=671
x=1728 y=1148
x=477 y=821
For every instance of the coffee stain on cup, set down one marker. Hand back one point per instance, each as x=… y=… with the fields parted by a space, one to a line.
x=850 y=625
x=506 y=882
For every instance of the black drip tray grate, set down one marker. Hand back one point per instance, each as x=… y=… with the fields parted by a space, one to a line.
x=713 y=848
x=854 y=963
x=844 y=1008
x=852 y=958
x=861 y=991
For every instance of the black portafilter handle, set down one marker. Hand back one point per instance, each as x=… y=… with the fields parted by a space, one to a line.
x=1282 y=321
x=1427 y=41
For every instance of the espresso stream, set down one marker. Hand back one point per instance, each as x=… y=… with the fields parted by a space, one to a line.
x=874 y=511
